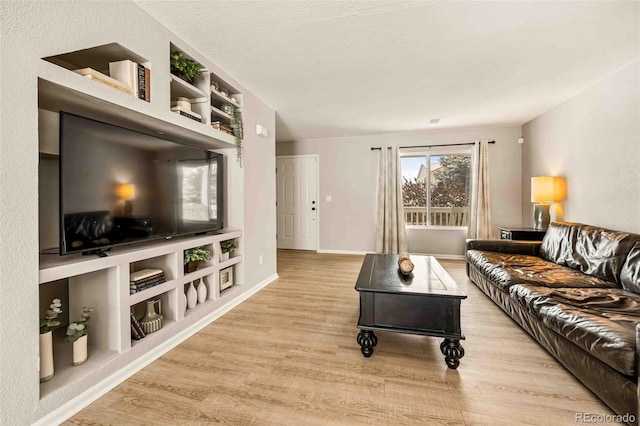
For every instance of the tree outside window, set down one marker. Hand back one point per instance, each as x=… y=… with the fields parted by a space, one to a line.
x=437 y=194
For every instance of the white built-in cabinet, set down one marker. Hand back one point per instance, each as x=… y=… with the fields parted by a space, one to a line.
x=103 y=282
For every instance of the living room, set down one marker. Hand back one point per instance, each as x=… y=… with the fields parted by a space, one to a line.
x=590 y=136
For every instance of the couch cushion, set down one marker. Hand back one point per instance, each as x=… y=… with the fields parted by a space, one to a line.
x=630 y=274
x=601 y=321
x=601 y=252
x=559 y=243
x=505 y=270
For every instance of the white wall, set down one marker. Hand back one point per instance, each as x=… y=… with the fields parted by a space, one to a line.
x=593 y=140
x=35 y=29
x=348 y=172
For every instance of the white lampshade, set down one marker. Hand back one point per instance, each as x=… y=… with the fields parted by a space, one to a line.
x=548 y=189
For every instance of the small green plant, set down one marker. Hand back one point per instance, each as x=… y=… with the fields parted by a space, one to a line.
x=79 y=328
x=237 y=127
x=185 y=68
x=228 y=246
x=50 y=321
x=198 y=254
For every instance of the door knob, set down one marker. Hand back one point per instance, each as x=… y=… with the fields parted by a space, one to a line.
x=313 y=202
x=313 y=208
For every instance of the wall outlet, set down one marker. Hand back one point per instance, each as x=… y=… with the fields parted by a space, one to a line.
x=260 y=259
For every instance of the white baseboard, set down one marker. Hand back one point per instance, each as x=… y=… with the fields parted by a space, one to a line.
x=73 y=406
x=344 y=252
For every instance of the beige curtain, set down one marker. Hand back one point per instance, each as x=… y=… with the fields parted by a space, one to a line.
x=390 y=233
x=480 y=222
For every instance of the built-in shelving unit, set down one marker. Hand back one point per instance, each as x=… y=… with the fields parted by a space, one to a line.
x=103 y=282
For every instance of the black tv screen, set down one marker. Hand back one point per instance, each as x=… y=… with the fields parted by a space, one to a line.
x=118 y=186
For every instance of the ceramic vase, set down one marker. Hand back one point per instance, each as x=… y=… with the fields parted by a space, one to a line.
x=46 y=356
x=202 y=291
x=80 y=350
x=184 y=301
x=152 y=320
x=224 y=256
x=192 y=296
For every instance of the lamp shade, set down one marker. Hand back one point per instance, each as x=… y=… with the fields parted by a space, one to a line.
x=126 y=191
x=548 y=189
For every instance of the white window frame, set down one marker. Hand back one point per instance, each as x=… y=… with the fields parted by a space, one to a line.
x=434 y=152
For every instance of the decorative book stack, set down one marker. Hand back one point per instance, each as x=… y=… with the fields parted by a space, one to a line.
x=218 y=125
x=134 y=75
x=137 y=332
x=144 y=279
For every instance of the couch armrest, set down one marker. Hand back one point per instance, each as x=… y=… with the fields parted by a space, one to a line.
x=531 y=248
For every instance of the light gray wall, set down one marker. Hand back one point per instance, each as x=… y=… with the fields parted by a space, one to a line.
x=26 y=30
x=593 y=140
x=348 y=172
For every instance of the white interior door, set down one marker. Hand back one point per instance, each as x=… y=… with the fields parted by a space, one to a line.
x=297 y=203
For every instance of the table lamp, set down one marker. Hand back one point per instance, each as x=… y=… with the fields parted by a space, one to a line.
x=544 y=191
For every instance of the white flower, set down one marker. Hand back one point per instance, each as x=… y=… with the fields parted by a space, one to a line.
x=80 y=327
x=57 y=310
x=74 y=326
x=57 y=301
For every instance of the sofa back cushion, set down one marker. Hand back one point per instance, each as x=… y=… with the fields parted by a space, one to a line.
x=558 y=244
x=601 y=253
x=630 y=275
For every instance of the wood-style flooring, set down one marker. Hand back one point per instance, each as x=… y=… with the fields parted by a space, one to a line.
x=288 y=355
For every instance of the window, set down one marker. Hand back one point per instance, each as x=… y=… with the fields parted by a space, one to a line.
x=436 y=188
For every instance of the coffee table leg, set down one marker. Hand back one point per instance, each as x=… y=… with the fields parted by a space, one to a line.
x=367 y=340
x=452 y=351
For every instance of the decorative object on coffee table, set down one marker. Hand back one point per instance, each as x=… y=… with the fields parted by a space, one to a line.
x=405 y=265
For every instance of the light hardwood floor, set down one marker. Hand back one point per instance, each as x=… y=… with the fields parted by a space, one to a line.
x=288 y=355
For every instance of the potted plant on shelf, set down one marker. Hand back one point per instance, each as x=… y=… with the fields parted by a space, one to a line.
x=77 y=334
x=185 y=68
x=226 y=247
x=193 y=256
x=236 y=126
x=47 y=325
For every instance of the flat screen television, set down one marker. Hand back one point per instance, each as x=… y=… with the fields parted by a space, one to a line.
x=119 y=186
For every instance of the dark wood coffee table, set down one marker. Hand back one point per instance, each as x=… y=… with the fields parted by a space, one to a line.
x=427 y=302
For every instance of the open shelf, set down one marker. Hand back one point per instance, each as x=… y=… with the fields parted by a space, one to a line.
x=180 y=88
x=143 y=295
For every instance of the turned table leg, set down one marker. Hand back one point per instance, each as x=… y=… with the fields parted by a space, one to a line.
x=452 y=351
x=367 y=340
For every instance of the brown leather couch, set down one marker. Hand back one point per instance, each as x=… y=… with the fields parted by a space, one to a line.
x=578 y=294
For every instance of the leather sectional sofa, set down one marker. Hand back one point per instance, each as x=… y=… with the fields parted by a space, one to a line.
x=578 y=294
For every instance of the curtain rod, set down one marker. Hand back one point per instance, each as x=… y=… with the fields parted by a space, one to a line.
x=430 y=146
x=444 y=144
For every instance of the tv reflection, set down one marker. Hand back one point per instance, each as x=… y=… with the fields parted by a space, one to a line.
x=198 y=186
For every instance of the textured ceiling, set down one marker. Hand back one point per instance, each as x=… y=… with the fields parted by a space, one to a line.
x=347 y=68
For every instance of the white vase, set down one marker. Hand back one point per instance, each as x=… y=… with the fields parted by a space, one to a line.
x=46 y=356
x=224 y=256
x=184 y=301
x=202 y=291
x=192 y=296
x=80 y=350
